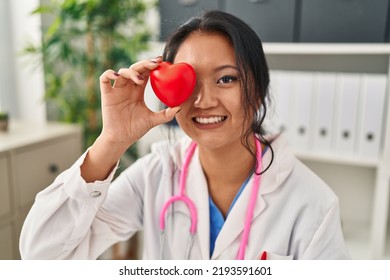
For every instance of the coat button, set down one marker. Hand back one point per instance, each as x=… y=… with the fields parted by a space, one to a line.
x=95 y=194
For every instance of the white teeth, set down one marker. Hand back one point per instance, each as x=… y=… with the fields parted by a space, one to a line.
x=211 y=120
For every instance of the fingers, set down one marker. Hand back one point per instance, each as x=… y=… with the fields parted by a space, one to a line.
x=106 y=78
x=145 y=65
x=138 y=72
x=126 y=75
x=164 y=116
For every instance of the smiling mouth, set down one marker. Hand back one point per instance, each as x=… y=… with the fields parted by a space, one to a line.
x=210 y=120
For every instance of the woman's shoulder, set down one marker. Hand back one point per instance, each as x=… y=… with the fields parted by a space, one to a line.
x=171 y=146
x=160 y=162
x=310 y=188
x=298 y=176
x=164 y=153
x=170 y=151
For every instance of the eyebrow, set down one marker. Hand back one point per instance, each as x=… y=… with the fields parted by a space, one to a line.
x=222 y=67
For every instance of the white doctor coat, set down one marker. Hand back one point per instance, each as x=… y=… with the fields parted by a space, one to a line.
x=296 y=214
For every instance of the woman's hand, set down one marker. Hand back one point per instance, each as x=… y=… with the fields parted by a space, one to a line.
x=126 y=118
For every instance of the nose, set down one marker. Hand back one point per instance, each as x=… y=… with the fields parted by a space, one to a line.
x=204 y=97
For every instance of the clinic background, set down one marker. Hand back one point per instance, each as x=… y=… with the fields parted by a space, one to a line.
x=330 y=73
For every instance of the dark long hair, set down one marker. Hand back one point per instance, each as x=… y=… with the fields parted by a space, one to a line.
x=250 y=60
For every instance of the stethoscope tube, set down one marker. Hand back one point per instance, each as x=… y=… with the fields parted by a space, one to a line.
x=181 y=197
x=193 y=211
x=252 y=202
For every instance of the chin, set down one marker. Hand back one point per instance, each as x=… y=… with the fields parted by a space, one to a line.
x=214 y=140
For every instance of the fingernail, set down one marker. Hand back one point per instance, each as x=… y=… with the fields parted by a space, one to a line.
x=154 y=60
x=140 y=77
x=116 y=74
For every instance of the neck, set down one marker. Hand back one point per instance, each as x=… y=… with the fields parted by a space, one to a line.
x=226 y=169
x=227 y=164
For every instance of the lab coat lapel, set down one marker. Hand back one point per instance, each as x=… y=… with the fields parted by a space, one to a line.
x=234 y=223
x=197 y=191
x=278 y=172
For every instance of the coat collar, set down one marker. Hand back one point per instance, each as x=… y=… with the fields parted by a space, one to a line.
x=196 y=189
x=278 y=172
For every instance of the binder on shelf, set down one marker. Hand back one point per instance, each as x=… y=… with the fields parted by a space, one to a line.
x=302 y=106
x=323 y=111
x=371 y=119
x=347 y=105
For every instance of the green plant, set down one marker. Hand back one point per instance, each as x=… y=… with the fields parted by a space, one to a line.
x=3 y=116
x=3 y=121
x=85 y=38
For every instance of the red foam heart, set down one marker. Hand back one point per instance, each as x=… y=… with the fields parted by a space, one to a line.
x=173 y=83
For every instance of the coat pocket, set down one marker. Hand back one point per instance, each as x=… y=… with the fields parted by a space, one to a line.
x=265 y=255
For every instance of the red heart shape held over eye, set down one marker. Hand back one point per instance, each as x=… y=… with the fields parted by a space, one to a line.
x=173 y=83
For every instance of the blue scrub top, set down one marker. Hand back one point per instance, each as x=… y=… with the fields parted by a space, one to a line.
x=216 y=218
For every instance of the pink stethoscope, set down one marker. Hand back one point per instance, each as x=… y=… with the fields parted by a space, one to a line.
x=192 y=208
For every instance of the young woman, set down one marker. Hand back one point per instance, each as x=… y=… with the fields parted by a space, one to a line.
x=226 y=191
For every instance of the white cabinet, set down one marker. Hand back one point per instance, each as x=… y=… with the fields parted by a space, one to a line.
x=6 y=244
x=40 y=165
x=361 y=182
x=31 y=156
x=4 y=187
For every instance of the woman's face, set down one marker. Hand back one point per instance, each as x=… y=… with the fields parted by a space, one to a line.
x=213 y=115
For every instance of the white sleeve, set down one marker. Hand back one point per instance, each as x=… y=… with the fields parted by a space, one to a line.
x=69 y=219
x=328 y=241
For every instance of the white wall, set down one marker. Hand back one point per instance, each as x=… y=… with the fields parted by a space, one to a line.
x=22 y=82
x=8 y=100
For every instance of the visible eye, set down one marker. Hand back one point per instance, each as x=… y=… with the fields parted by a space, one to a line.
x=227 y=79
